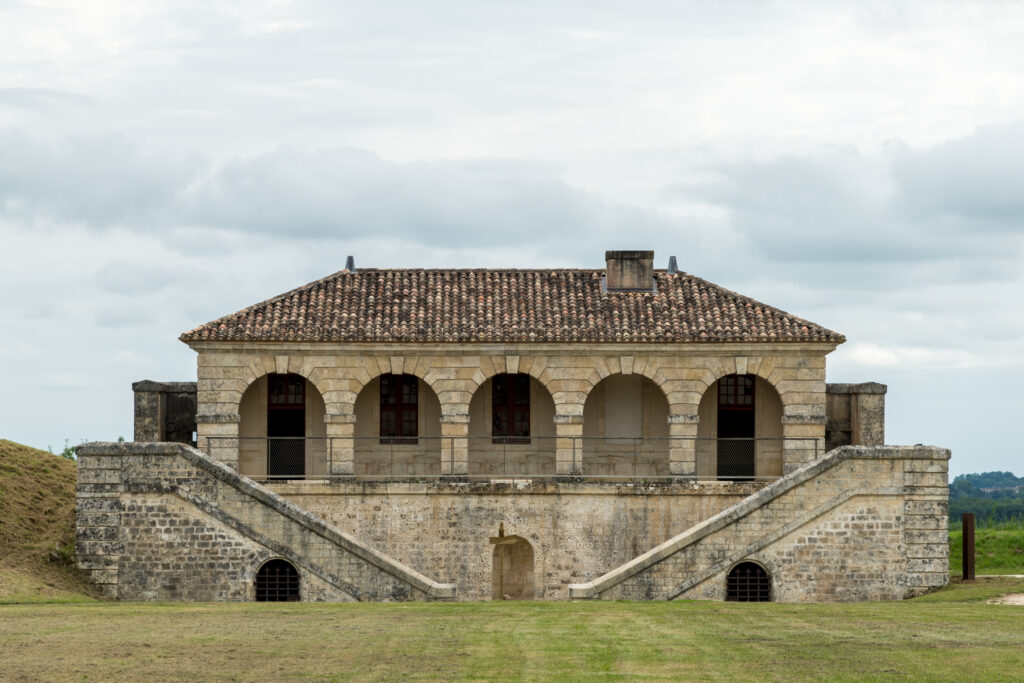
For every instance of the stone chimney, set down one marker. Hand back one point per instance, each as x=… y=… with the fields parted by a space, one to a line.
x=629 y=271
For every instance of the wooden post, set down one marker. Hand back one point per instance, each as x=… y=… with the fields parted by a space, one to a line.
x=968 y=549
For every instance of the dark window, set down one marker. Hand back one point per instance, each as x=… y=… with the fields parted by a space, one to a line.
x=736 y=392
x=510 y=408
x=736 y=426
x=286 y=425
x=277 y=581
x=399 y=410
x=287 y=392
x=748 y=582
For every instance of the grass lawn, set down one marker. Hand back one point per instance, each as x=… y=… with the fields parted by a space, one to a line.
x=998 y=549
x=949 y=635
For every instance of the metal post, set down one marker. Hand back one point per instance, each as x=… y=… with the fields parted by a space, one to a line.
x=968 y=549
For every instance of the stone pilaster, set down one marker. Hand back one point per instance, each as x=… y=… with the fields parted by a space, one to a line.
x=569 y=445
x=455 y=444
x=341 y=452
x=682 y=449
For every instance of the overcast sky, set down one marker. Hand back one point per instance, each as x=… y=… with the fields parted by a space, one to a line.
x=858 y=164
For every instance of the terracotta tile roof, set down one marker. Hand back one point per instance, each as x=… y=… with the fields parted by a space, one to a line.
x=470 y=305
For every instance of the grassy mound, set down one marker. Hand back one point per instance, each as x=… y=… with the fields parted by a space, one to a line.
x=37 y=527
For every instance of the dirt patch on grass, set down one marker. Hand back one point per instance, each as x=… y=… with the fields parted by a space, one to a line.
x=37 y=526
x=1014 y=599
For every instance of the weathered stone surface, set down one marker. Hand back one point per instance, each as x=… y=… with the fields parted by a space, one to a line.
x=834 y=529
x=186 y=527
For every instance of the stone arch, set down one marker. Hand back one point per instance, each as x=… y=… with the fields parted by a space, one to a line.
x=277 y=580
x=512 y=569
x=763 y=455
x=401 y=455
x=494 y=454
x=626 y=427
x=629 y=365
x=262 y=366
x=273 y=450
x=748 y=581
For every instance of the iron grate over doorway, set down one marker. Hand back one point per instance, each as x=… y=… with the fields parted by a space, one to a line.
x=748 y=582
x=277 y=581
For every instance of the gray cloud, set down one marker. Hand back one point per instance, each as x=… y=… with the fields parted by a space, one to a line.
x=339 y=194
x=979 y=177
x=99 y=181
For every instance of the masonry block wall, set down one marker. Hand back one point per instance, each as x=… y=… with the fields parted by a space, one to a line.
x=165 y=411
x=163 y=521
x=855 y=414
x=863 y=523
x=575 y=530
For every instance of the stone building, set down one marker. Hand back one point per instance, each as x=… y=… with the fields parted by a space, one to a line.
x=622 y=432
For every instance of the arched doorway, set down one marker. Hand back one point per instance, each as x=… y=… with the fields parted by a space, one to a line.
x=740 y=429
x=512 y=569
x=625 y=428
x=281 y=428
x=398 y=428
x=511 y=427
x=277 y=581
x=748 y=582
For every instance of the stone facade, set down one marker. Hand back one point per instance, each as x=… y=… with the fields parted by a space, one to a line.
x=862 y=523
x=165 y=522
x=455 y=372
x=644 y=390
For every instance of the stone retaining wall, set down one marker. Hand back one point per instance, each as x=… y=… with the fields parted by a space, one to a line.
x=163 y=521
x=862 y=523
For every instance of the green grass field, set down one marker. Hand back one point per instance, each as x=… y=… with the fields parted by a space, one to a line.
x=949 y=635
x=998 y=549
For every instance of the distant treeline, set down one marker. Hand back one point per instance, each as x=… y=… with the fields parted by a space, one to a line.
x=993 y=497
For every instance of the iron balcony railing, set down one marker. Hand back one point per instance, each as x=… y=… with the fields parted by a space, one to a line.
x=490 y=458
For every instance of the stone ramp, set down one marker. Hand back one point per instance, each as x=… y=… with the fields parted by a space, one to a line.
x=861 y=523
x=164 y=521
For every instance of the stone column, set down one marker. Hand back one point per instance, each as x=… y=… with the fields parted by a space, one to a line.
x=455 y=444
x=803 y=440
x=217 y=436
x=149 y=411
x=682 y=448
x=341 y=452
x=867 y=414
x=569 y=445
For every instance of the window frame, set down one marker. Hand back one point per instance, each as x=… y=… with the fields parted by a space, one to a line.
x=404 y=414
x=510 y=405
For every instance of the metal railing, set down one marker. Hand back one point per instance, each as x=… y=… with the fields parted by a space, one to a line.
x=489 y=458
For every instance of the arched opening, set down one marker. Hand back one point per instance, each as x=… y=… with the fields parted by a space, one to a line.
x=277 y=581
x=512 y=569
x=748 y=582
x=740 y=429
x=625 y=428
x=398 y=428
x=281 y=429
x=511 y=427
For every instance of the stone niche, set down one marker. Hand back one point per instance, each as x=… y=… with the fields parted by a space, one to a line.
x=855 y=415
x=165 y=411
